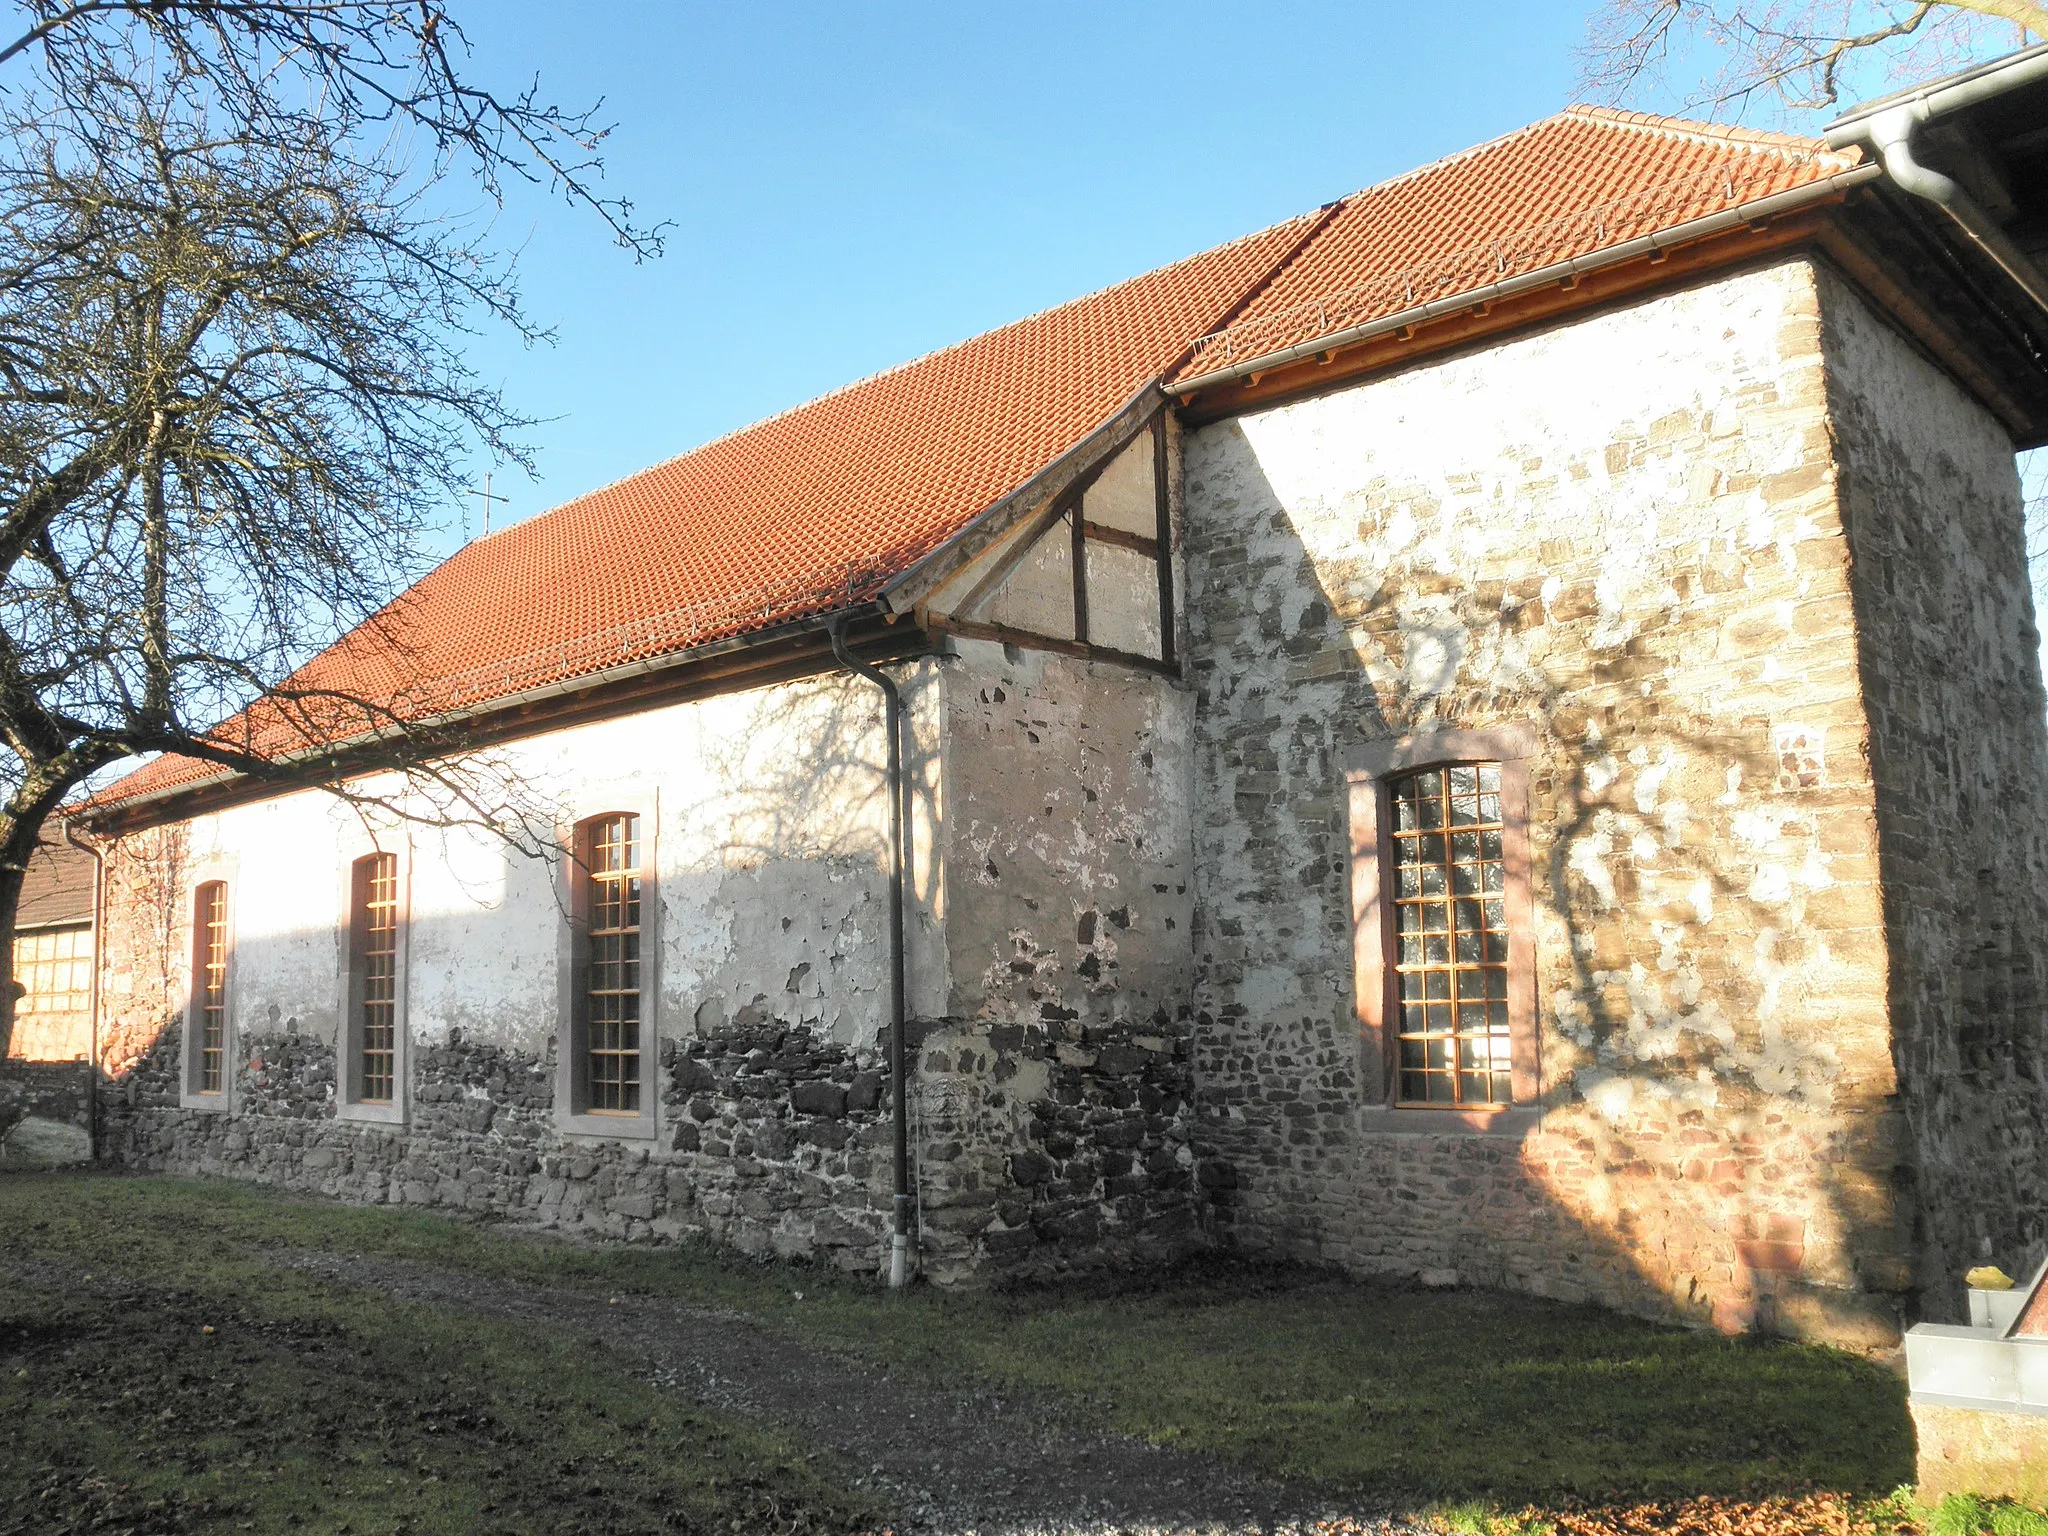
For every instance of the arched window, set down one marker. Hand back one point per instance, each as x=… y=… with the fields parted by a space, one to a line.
x=207 y=1017
x=372 y=1040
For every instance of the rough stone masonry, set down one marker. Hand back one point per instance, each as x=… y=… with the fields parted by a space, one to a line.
x=1750 y=569
x=1746 y=568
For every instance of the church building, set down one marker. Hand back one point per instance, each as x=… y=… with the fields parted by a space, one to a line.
x=1488 y=733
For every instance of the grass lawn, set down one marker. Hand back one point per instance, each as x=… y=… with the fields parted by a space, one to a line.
x=1443 y=1396
x=205 y=1390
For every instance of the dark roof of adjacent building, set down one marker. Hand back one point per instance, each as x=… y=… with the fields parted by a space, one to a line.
x=57 y=889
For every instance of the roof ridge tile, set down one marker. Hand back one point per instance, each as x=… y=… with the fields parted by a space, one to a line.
x=1445 y=162
x=1691 y=130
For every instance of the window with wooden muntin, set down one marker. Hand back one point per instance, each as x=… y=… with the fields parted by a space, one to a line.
x=1443 y=918
x=54 y=1011
x=611 y=998
x=1451 y=938
x=373 y=946
x=209 y=1012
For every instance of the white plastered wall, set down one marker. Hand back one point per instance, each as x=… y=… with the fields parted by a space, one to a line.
x=772 y=826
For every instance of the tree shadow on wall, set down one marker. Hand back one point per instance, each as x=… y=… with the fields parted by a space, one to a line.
x=773 y=920
x=1716 y=1144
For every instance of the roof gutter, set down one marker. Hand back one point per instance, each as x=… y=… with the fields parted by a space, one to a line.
x=1542 y=277
x=1931 y=101
x=899 y=1014
x=1890 y=132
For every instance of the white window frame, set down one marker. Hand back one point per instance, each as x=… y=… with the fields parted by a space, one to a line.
x=572 y=1118
x=349 y=1104
x=226 y=871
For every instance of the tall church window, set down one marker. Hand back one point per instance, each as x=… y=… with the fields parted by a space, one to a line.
x=1443 y=947
x=373 y=990
x=611 y=1001
x=1451 y=937
x=208 y=1015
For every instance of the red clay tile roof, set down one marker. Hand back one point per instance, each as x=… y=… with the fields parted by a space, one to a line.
x=57 y=886
x=812 y=510
x=1570 y=185
x=800 y=514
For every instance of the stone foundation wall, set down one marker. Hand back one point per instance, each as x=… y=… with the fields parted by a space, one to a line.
x=774 y=1141
x=45 y=1113
x=1621 y=536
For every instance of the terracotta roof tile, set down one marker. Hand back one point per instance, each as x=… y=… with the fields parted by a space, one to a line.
x=813 y=509
x=1568 y=186
x=799 y=514
x=57 y=885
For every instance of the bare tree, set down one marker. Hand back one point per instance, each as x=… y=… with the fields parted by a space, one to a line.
x=272 y=65
x=1727 y=56
x=233 y=395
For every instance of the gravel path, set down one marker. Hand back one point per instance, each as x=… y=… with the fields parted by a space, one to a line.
x=969 y=1463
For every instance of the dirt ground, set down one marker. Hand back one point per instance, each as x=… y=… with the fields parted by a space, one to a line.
x=943 y=1462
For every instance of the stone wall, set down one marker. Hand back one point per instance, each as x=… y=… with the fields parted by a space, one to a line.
x=1621 y=534
x=1952 y=685
x=1060 y=1073
x=774 y=1141
x=45 y=1113
x=1048 y=956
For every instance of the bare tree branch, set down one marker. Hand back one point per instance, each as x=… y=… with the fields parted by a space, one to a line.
x=234 y=395
x=360 y=63
x=1728 y=56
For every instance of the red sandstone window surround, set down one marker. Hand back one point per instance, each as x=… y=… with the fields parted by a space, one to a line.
x=1443 y=947
x=373 y=1022
x=207 y=1016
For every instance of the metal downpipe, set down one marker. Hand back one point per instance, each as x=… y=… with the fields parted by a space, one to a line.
x=1891 y=132
x=892 y=716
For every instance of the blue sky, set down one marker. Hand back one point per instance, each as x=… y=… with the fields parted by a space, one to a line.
x=854 y=186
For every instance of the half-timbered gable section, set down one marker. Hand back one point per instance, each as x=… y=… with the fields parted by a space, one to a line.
x=1087 y=571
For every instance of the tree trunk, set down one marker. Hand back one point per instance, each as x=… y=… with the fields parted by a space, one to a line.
x=18 y=837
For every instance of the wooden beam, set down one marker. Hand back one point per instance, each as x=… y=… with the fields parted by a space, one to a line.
x=1123 y=538
x=1011 y=558
x=1162 y=550
x=1080 y=563
x=1031 y=640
